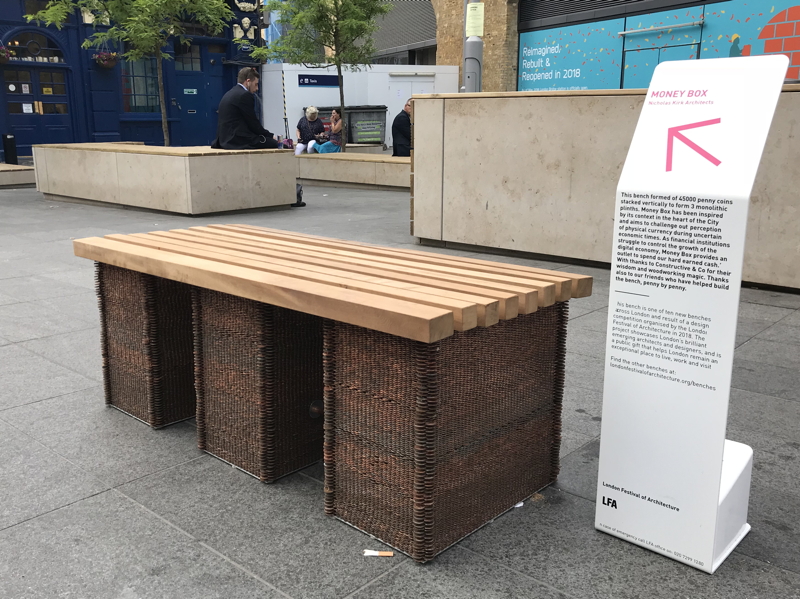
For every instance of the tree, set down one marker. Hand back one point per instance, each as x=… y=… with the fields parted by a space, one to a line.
x=141 y=28
x=343 y=27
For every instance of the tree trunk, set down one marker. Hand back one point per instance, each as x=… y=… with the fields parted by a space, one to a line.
x=341 y=107
x=161 y=99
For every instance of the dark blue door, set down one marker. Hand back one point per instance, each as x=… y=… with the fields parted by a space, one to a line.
x=199 y=88
x=37 y=106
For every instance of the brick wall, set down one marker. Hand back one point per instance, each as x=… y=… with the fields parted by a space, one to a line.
x=500 y=40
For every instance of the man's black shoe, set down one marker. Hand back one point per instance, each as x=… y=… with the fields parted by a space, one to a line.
x=297 y=204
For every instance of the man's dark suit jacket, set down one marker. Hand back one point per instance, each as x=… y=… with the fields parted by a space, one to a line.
x=238 y=127
x=401 y=134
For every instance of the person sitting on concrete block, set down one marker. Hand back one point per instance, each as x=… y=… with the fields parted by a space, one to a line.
x=239 y=127
x=310 y=132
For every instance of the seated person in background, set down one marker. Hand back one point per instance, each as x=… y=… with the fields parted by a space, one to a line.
x=310 y=132
x=238 y=127
x=401 y=132
x=335 y=143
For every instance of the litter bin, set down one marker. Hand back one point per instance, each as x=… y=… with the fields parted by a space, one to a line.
x=365 y=124
x=10 y=149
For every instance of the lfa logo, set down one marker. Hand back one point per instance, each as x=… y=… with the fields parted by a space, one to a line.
x=609 y=502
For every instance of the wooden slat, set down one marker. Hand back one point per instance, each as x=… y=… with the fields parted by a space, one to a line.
x=465 y=313
x=528 y=295
x=396 y=317
x=563 y=286
x=581 y=284
x=487 y=307
x=508 y=301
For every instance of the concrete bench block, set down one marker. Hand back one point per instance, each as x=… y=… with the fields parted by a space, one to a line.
x=186 y=180
x=12 y=175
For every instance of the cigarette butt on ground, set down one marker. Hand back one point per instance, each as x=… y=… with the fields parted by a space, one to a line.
x=371 y=553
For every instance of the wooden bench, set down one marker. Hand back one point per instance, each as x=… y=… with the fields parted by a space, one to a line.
x=354 y=169
x=441 y=376
x=15 y=176
x=186 y=180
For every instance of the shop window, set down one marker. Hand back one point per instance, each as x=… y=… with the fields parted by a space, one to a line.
x=52 y=84
x=187 y=58
x=54 y=108
x=18 y=82
x=34 y=6
x=34 y=47
x=140 y=86
x=217 y=48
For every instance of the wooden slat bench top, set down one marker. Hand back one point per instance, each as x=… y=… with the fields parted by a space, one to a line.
x=358 y=157
x=14 y=168
x=182 y=151
x=412 y=294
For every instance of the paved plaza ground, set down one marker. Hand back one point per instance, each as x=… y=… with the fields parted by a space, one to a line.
x=94 y=504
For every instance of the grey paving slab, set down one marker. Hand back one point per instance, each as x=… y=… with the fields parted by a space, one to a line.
x=7 y=299
x=786 y=355
x=764 y=414
x=26 y=378
x=457 y=574
x=315 y=471
x=277 y=531
x=556 y=542
x=9 y=269
x=596 y=320
x=79 y=351
x=572 y=441
x=766 y=379
x=776 y=460
x=781 y=333
x=775 y=534
x=582 y=410
x=584 y=371
x=577 y=309
x=586 y=342
x=35 y=480
x=81 y=308
x=578 y=474
x=108 y=547
x=27 y=266
x=763 y=313
x=545 y=539
x=80 y=277
x=32 y=320
x=104 y=441
x=770 y=298
x=792 y=319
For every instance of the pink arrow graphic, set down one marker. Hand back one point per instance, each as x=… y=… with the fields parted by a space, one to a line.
x=675 y=132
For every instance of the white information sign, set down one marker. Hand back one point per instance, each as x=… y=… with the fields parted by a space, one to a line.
x=474 y=19
x=668 y=479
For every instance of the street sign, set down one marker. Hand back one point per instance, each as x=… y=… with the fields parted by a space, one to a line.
x=668 y=479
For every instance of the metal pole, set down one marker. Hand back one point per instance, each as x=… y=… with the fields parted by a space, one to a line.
x=472 y=66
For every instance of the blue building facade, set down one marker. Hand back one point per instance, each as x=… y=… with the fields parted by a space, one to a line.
x=565 y=46
x=54 y=91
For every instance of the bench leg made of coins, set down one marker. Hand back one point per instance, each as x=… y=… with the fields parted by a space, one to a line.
x=146 y=344
x=427 y=442
x=258 y=376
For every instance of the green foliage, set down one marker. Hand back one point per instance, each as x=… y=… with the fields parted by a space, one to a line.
x=344 y=27
x=141 y=27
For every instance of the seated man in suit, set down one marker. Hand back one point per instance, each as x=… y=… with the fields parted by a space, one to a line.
x=239 y=127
